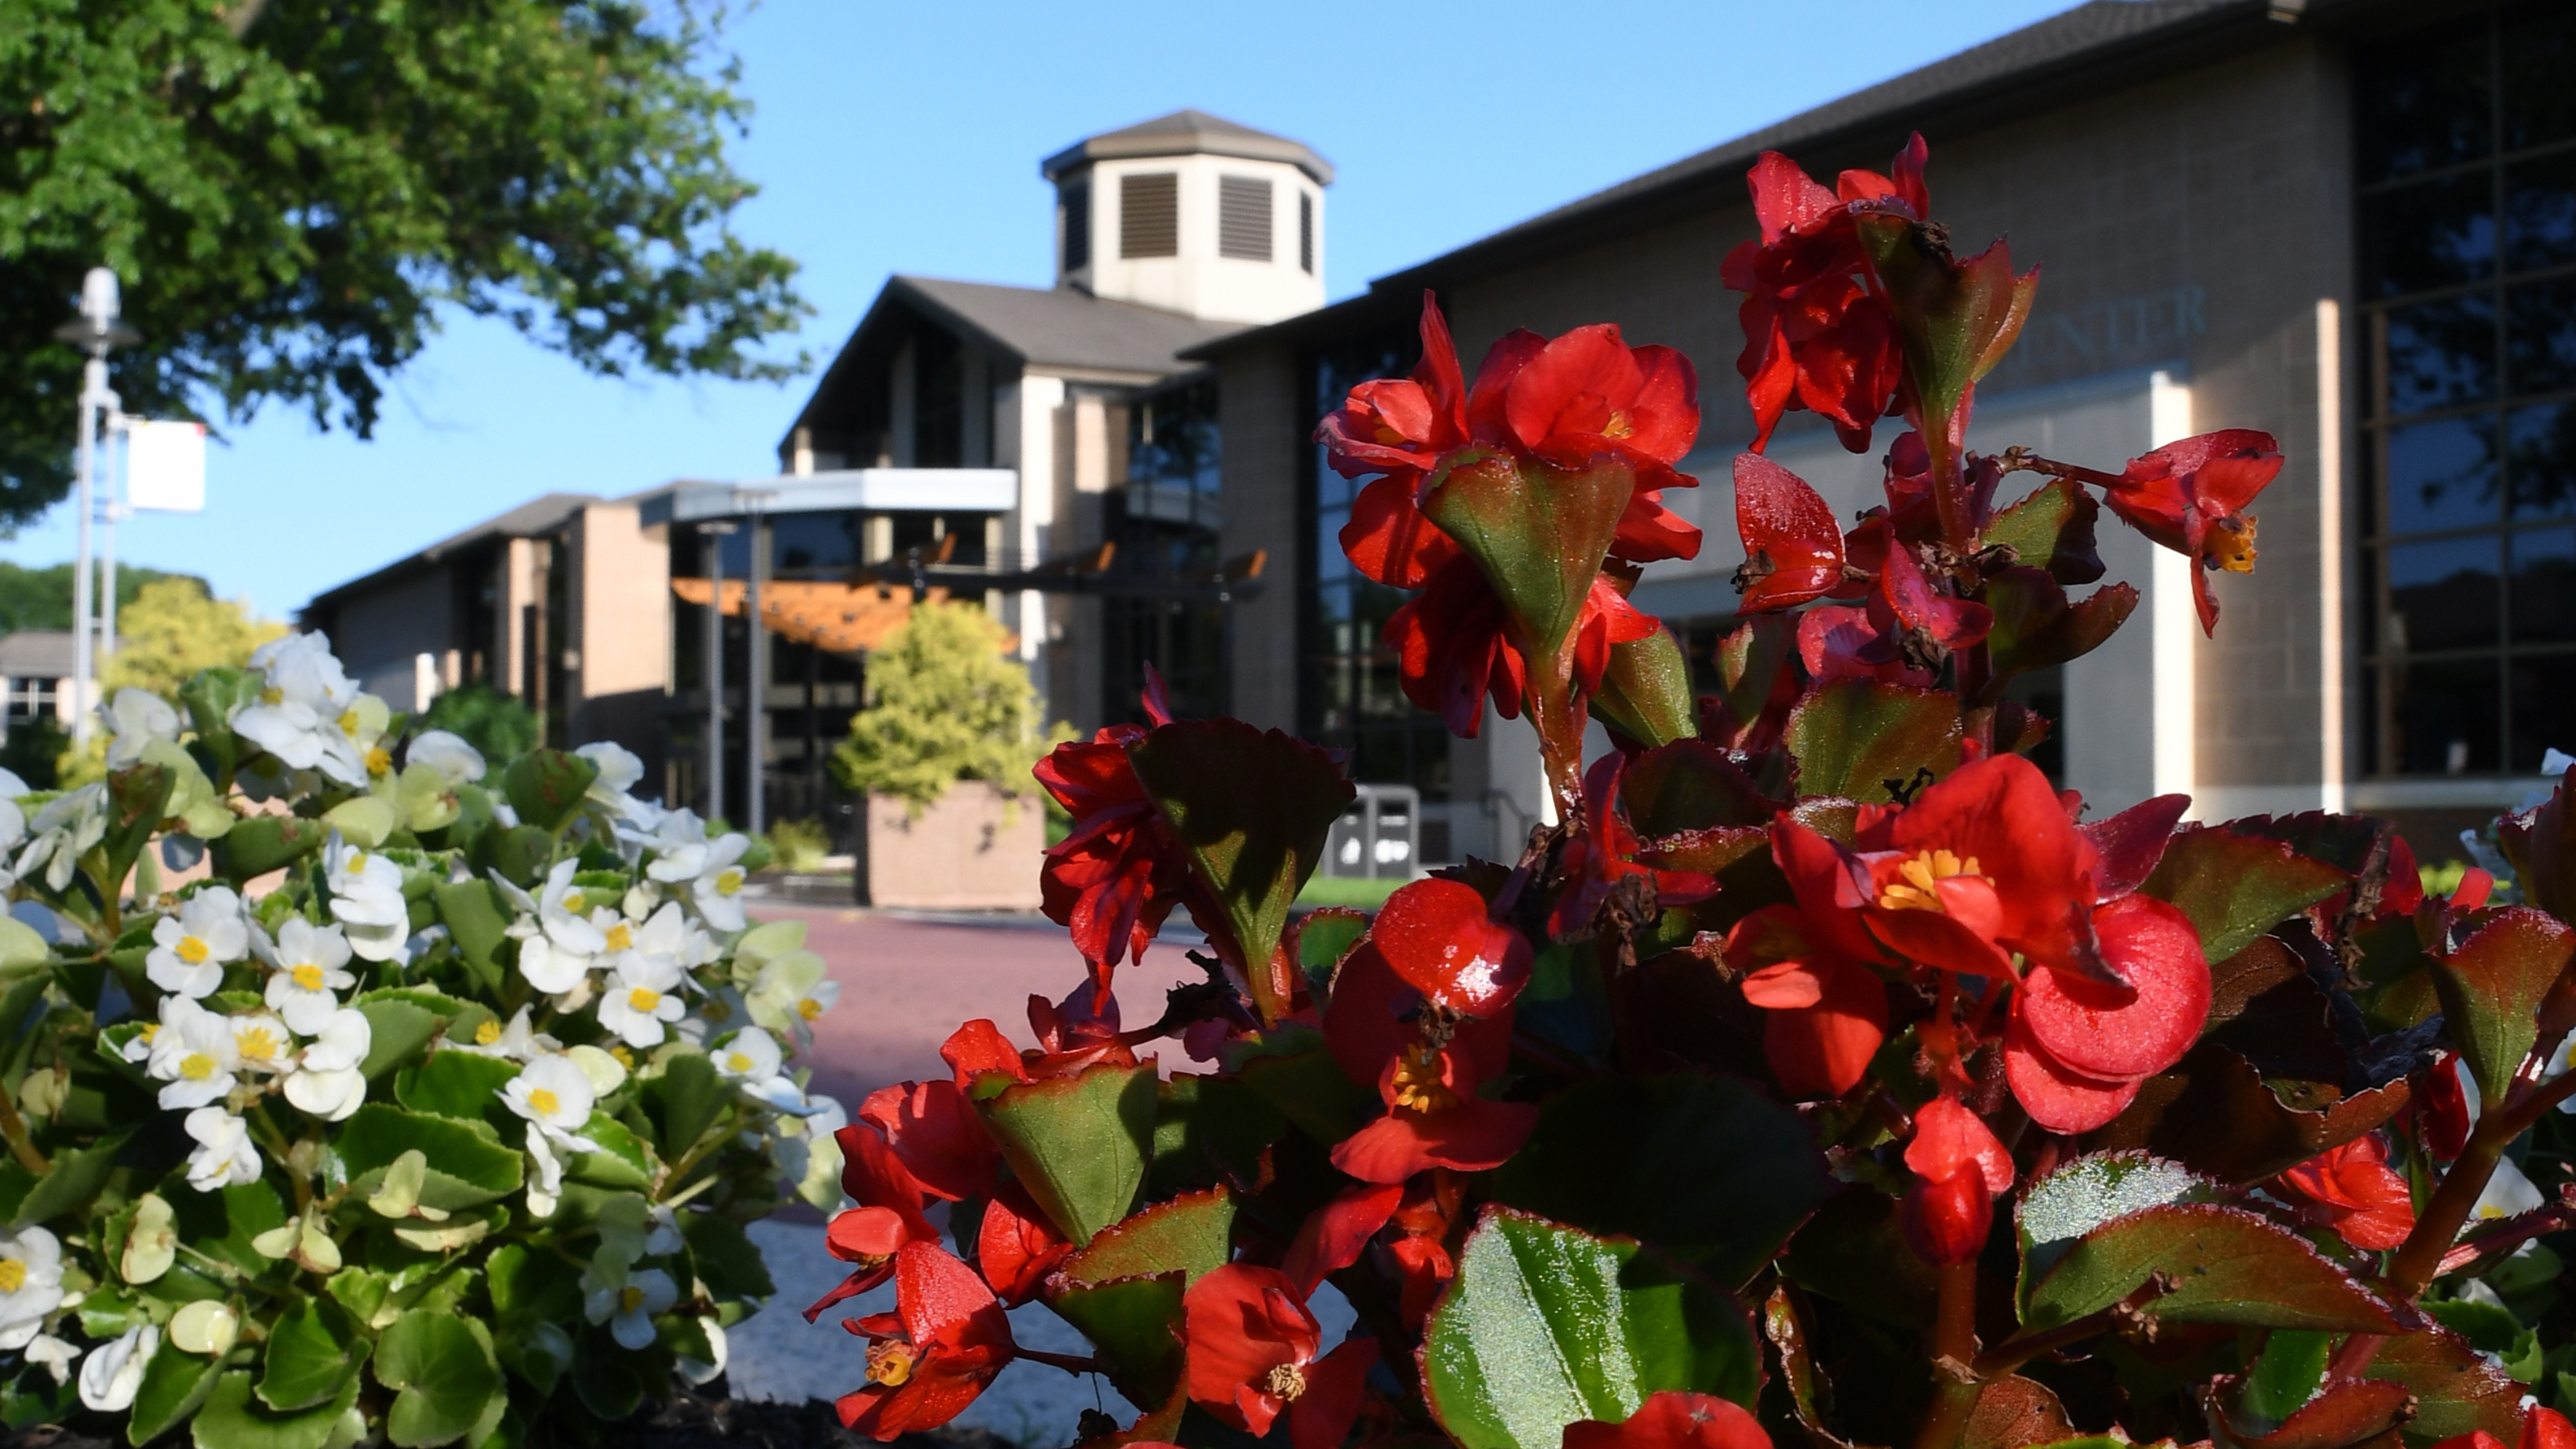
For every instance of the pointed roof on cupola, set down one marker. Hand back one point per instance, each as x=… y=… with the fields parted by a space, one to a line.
x=1188 y=133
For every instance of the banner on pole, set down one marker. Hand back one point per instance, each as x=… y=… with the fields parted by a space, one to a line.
x=166 y=467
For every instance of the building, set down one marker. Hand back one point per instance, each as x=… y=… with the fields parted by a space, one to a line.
x=35 y=678
x=2349 y=223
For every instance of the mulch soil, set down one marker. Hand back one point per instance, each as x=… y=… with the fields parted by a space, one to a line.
x=685 y=1423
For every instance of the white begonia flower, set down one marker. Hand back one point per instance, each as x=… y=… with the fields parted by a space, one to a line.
x=358 y=756
x=717 y=887
x=517 y=1042
x=619 y=772
x=62 y=832
x=114 y=1369
x=327 y=1083
x=605 y=1071
x=641 y=1000
x=11 y=787
x=204 y=1326
x=367 y=899
x=296 y=715
x=136 y=717
x=628 y=1310
x=261 y=1043
x=715 y=1013
x=225 y=1156
x=749 y=1056
x=702 y=1372
x=193 y=1050
x=308 y=961
x=54 y=1356
x=2509 y=1194
x=555 y=1096
x=679 y=846
x=191 y=949
x=662 y=1230
x=789 y=992
x=448 y=754
x=545 y=1183
x=31 y=1284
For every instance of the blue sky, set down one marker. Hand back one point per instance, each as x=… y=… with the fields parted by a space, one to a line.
x=906 y=137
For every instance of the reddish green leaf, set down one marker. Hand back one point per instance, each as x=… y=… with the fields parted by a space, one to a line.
x=2226 y=1265
x=2036 y=627
x=1079 y=1144
x=2217 y=1115
x=2347 y=1412
x=2016 y=1413
x=2456 y=1389
x=2052 y=529
x=1538 y=531
x=1866 y=741
x=2541 y=843
x=2237 y=887
x=1690 y=785
x=1646 y=692
x=1189 y=1235
x=2492 y=988
x=1252 y=808
x=1954 y=319
x=547 y=786
x=1135 y=1323
x=1749 y=662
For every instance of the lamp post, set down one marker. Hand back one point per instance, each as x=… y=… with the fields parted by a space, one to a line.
x=714 y=536
x=97 y=332
x=755 y=693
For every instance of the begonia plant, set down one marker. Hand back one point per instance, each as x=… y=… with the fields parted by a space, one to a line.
x=1819 y=1071
x=360 y=1090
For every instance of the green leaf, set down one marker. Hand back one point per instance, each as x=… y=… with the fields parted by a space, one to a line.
x=547 y=786
x=443 y=1369
x=2237 y=887
x=1690 y=786
x=76 y=1178
x=2492 y=989
x=313 y=1352
x=234 y=1419
x=1313 y=1092
x=522 y=854
x=466 y=1167
x=1955 y=319
x=725 y=1256
x=461 y=1085
x=222 y=1224
x=2035 y=627
x=1646 y=692
x=398 y=1030
x=2052 y=528
x=2287 y=1375
x=1546 y=1326
x=2456 y=1390
x=174 y=1385
x=1707 y=1169
x=1749 y=662
x=608 y=1379
x=1536 y=530
x=137 y=799
x=474 y=917
x=1209 y=1130
x=685 y=1100
x=1189 y=1235
x=1135 y=1323
x=1322 y=938
x=1252 y=809
x=1857 y=738
x=2227 y=1265
x=1079 y=1144
x=621 y=1161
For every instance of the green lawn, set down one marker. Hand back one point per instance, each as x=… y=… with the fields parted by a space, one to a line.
x=1336 y=890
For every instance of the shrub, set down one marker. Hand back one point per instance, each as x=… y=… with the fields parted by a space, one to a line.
x=499 y=725
x=1825 y=1075
x=944 y=703
x=434 y=1114
x=800 y=845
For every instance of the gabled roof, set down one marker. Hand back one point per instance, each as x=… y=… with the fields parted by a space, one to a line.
x=1188 y=133
x=2087 y=50
x=36 y=654
x=537 y=516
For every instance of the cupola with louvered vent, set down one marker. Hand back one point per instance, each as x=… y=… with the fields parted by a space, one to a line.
x=1193 y=214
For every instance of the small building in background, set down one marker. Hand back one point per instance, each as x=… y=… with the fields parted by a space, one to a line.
x=35 y=674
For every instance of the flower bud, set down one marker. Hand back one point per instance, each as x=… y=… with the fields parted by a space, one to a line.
x=1946 y=1219
x=204 y=1327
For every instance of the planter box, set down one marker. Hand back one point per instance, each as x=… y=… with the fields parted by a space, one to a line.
x=971 y=851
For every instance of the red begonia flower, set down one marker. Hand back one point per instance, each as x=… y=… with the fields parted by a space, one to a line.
x=1120 y=871
x=888 y=1214
x=2075 y=1048
x=1958 y=1168
x=1389 y=539
x=1982 y=864
x=1674 y=1419
x=1793 y=549
x=937 y=1135
x=2352 y=1190
x=1606 y=853
x=1016 y=1246
x=1588 y=392
x=2541 y=1429
x=1917 y=624
x=1376 y=1027
x=2128 y=845
x=949 y=1339
x=1438 y=938
x=1255 y=1352
x=1401 y=426
x=2444 y=1118
x=1334 y=1235
x=1824 y=1014
x=979 y=1047
x=2191 y=497
x=1454 y=649
x=1814 y=334
x=1831 y=639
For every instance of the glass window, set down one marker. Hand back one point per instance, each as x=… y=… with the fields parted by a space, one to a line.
x=2426 y=236
x=2442 y=475
x=2540 y=335
x=2442 y=595
x=2540 y=449
x=2539 y=53
x=1161 y=607
x=2540 y=212
x=2544 y=588
x=2544 y=709
x=2441 y=354
x=2423 y=103
x=2445 y=718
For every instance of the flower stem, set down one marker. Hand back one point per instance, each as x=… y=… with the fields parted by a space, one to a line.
x=1954 y=1355
x=1065 y=1361
x=22 y=1144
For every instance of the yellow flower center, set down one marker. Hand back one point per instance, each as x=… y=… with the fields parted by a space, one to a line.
x=545 y=1103
x=809 y=1008
x=379 y=760
x=258 y=1044
x=574 y=902
x=2230 y=545
x=1417 y=1080
x=630 y=1299
x=624 y=1057
x=643 y=998
x=13 y=1275
x=1284 y=1382
x=715 y=1010
x=272 y=695
x=1619 y=426
x=488 y=1033
x=890 y=1363
x=196 y=1066
x=193 y=951
x=357 y=863
x=151 y=1029
x=308 y=977
x=349 y=723
x=620 y=938
x=737 y=1062
x=1917 y=886
x=728 y=882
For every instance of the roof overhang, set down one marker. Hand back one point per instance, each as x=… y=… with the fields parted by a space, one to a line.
x=1250 y=145
x=869 y=490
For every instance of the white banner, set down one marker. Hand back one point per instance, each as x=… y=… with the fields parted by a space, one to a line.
x=166 y=467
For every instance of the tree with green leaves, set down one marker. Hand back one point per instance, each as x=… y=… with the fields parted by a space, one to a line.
x=174 y=628
x=945 y=702
x=41 y=598
x=293 y=191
